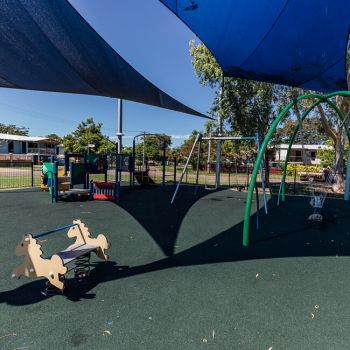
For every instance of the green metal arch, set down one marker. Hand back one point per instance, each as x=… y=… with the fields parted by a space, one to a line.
x=292 y=138
x=281 y=115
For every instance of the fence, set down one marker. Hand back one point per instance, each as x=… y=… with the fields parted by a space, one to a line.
x=18 y=174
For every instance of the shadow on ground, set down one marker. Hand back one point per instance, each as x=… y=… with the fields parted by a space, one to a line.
x=286 y=232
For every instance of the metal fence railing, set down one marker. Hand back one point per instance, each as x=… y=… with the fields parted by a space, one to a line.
x=19 y=174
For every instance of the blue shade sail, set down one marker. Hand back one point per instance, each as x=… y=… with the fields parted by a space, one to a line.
x=299 y=43
x=46 y=45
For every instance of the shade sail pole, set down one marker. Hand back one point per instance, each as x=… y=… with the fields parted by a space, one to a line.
x=218 y=142
x=120 y=125
x=120 y=143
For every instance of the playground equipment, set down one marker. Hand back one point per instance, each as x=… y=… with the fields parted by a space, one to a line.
x=318 y=198
x=317 y=201
x=141 y=171
x=61 y=182
x=199 y=139
x=55 y=267
x=103 y=190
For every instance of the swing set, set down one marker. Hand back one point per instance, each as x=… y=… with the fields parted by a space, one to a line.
x=317 y=199
x=198 y=143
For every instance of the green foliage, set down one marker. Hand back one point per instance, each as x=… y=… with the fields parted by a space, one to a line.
x=231 y=151
x=327 y=156
x=250 y=106
x=246 y=106
x=153 y=146
x=312 y=129
x=13 y=129
x=54 y=137
x=205 y=65
x=88 y=132
x=292 y=167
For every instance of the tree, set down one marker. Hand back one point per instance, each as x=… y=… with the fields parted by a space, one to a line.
x=312 y=130
x=153 y=146
x=247 y=106
x=88 y=133
x=13 y=129
x=327 y=156
x=54 y=137
x=335 y=129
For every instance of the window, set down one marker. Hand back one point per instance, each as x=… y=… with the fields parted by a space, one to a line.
x=10 y=144
x=313 y=155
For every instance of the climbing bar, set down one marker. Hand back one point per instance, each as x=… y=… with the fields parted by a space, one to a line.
x=230 y=138
x=53 y=231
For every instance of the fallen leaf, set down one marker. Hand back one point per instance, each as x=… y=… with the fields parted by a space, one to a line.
x=312 y=316
x=105 y=333
x=317 y=306
x=8 y=335
x=257 y=275
x=205 y=340
x=213 y=333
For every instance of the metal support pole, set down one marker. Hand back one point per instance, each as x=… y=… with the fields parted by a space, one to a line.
x=209 y=154
x=197 y=169
x=134 y=160
x=163 y=165
x=143 y=150
x=217 y=164
x=116 y=187
x=32 y=173
x=218 y=142
x=347 y=180
x=120 y=125
x=295 y=179
x=257 y=206
x=198 y=137
x=120 y=142
x=175 y=168
x=229 y=174
x=55 y=182
x=262 y=176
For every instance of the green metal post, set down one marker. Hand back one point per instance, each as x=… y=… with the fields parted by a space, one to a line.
x=291 y=141
x=292 y=138
x=256 y=170
x=268 y=136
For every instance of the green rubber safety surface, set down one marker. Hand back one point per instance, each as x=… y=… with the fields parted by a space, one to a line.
x=178 y=276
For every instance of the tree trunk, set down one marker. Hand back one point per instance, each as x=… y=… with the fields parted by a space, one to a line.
x=338 y=184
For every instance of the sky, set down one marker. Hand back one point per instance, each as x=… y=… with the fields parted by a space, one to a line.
x=155 y=42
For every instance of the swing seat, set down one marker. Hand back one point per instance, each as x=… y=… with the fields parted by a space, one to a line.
x=315 y=217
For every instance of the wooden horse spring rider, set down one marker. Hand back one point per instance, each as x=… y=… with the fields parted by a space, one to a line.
x=55 y=267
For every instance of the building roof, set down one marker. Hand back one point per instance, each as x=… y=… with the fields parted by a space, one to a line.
x=9 y=137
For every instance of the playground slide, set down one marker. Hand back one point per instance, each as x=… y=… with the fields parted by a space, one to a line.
x=143 y=178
